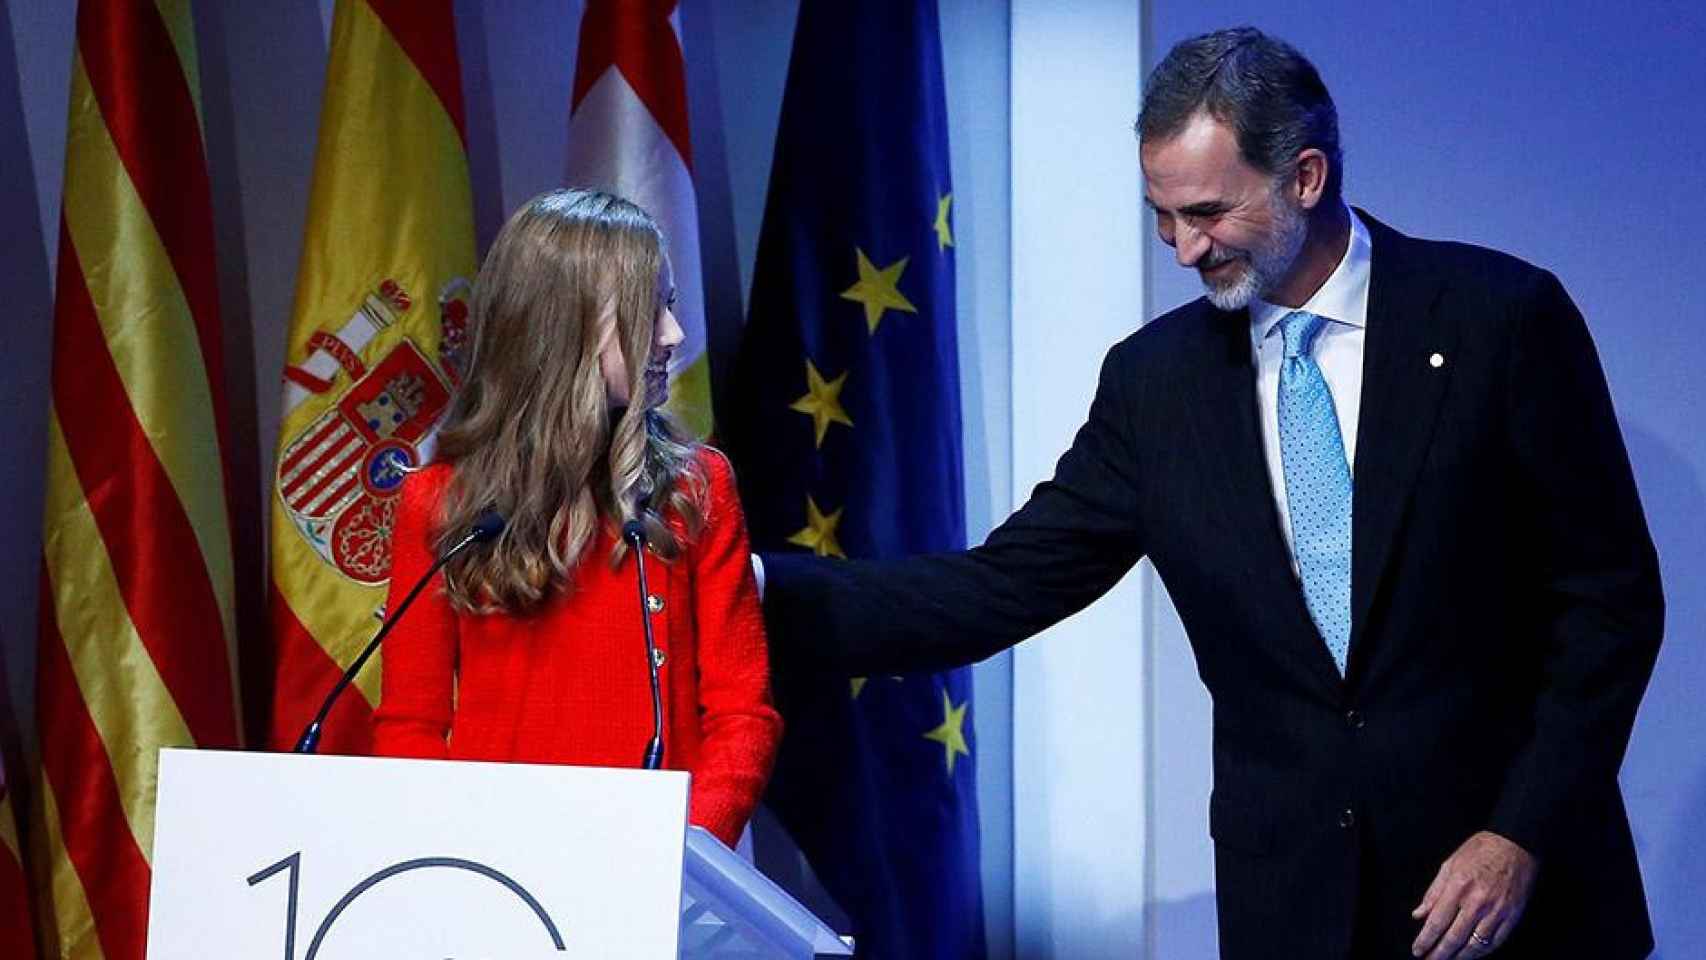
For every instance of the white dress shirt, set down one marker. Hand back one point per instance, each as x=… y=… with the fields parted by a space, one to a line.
x=1343 y=301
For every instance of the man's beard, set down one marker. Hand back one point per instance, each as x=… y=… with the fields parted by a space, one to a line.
x=1264 y=266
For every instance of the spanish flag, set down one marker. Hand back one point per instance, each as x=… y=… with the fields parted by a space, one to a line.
x=136 y=625
x=377 y=338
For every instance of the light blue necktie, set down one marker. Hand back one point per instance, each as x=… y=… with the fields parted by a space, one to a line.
x=1317 y=485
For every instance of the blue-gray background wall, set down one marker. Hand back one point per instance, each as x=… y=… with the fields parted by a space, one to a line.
x=1570 y=133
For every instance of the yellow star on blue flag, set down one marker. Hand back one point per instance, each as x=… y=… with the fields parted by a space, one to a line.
x=822 y=401
x=879 y=290
x=818 y=535
x=951 y=733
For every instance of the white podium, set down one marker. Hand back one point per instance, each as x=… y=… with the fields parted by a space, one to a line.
x=324 y=858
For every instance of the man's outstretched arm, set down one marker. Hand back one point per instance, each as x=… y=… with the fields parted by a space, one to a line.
x=1069 y=544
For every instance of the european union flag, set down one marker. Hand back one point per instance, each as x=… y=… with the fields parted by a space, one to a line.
x=846 y=427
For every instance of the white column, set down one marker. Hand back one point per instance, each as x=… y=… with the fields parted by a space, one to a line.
x=1077 y=260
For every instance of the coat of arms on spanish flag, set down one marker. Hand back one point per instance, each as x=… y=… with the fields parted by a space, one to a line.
x=375 y=342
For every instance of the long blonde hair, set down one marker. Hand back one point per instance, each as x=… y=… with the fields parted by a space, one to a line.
x=532 y=434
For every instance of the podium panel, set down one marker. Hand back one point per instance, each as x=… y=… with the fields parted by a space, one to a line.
x=730 y=911
x=325 y=858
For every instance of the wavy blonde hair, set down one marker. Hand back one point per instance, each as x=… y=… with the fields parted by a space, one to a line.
x=532 y=433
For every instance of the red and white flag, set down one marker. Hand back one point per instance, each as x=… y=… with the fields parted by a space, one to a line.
x=628 y=135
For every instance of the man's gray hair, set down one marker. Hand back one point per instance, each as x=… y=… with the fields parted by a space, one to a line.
x=1267 y=92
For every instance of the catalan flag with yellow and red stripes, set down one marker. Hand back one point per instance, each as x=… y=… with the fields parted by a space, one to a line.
x=376 y=340
x=136 y=623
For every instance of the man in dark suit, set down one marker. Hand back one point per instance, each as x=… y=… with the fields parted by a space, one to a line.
x=1423 y=681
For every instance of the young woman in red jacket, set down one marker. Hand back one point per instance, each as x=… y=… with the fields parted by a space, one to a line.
x=532 y=650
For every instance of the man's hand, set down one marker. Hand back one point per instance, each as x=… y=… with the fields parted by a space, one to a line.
x=1475 y=900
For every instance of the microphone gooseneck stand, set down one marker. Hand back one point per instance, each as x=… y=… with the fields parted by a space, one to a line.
x=635 y=533
x=486 y=527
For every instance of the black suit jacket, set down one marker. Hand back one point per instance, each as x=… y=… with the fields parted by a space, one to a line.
x=1505 y=601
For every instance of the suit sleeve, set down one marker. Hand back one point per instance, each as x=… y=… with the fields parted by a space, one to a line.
x=1596 y=594
x=413 y=719
x=739 y=726
x=1069 y=544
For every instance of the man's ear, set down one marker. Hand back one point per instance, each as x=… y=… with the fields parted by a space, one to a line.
x=1309 y=184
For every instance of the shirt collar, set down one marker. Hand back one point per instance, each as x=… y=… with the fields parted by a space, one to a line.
x=1344 y=297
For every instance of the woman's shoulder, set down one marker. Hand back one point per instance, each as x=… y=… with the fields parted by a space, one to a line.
x=710 y=482
x=714 y=463
x=718 y=472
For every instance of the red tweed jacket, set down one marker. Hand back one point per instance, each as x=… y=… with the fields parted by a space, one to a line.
x=568 y=684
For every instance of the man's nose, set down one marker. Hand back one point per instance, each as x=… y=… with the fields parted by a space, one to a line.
x=1190 y=244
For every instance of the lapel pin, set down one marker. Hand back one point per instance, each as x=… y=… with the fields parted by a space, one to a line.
x=1436 y=361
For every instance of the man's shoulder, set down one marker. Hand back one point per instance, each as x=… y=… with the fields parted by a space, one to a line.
x=1174 y=336
x=1472 y=261
x=1468 y=268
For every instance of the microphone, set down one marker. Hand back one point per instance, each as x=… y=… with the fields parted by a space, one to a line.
x=485 y=527
x=635 y=533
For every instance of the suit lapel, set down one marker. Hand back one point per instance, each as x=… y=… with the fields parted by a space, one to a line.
x=1231 y=440
x=1401 y=394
